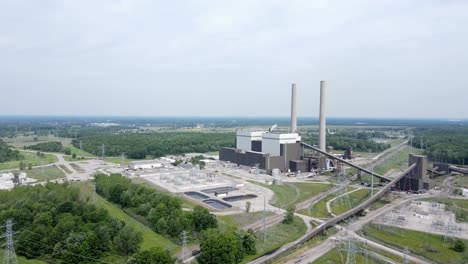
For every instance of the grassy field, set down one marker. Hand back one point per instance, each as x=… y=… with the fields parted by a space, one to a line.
x=398 y=161
x=243 y=219
x=50 y=173
x=319 y=210
x=80 y=153
x=276 y=236
x=460 y=181
x=21 y=260
x=340 y=206
x=150 y=238
x=21 y=141
x=293 y=193
x=429 y=246
x=186 y=203
x=28 y=158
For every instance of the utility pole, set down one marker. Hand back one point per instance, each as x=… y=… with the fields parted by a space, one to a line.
x=264 y=218
x=351 y=258
x=10 y=255
x=372 y=182
x=94 y=191
x=405 y=256
x=183 y=256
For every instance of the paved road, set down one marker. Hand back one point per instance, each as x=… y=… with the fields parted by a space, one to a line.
x=313 y=254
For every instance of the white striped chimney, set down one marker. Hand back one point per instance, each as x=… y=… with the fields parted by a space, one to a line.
x=293 y=109
x=322 y=128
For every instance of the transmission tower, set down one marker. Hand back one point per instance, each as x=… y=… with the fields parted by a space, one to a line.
x=10 y=255
x=103 y=151
x=122 y=162
x=183 y=256
x=405 y=256
x=94 y=191
x=351 y=258
x=341 y=181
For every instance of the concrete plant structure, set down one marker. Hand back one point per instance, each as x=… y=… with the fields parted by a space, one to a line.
x=323 y=125
x=293 y=109
x=273 y=150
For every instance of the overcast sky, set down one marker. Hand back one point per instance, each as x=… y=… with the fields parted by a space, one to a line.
x=395 y=58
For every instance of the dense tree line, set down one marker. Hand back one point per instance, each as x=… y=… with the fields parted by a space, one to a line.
x=52 y=223
x=343 y=141
x=227 y=247
x=163 y=212
x=367 y=135
x=7 y=154
x=449 y=144
x=138 y=145
x=52 y=146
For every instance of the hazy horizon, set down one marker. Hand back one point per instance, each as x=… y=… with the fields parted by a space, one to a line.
x=381 y=59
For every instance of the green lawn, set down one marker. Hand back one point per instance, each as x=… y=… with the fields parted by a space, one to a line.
x=81 y=153
x=277 y=236
x=398 y=161
x=429 y=246
x=186 y=203
x=293 y=193
x=28 y=158
x=319 y=210
x=243 y=219
x=460 y=181
x=21 y=141
x=21 y=260
x=150 y=238
x=341 y=205
x=50 y=173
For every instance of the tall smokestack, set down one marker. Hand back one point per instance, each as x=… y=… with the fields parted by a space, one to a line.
x=322 y=128
x=293 y=109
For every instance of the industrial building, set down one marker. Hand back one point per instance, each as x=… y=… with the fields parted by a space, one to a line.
x=418 y=179
x=10 y=180
x=145 y=164
x=270 y=150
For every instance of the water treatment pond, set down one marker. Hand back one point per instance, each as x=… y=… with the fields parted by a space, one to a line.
x=196 y=195
x=217 y=204
x=240 y=197
x=220 y=190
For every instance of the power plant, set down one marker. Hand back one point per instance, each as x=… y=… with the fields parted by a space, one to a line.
x=270 y=149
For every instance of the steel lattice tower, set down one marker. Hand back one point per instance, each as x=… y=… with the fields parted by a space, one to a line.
x=405 y=256
x=351 y=258
x=10 y=255
x=183 y=256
